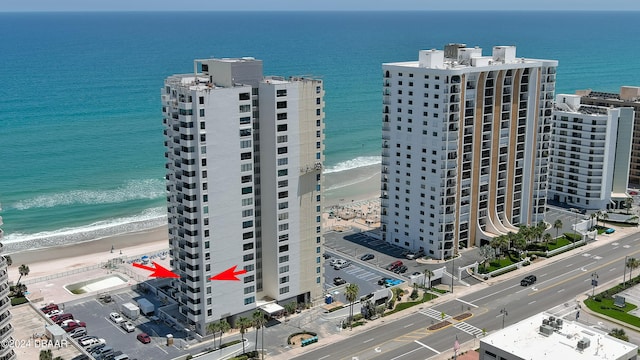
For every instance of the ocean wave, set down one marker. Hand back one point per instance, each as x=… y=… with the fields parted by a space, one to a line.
x=132 y=190
x=352 y=182
x=148 y=219
x=360 y=161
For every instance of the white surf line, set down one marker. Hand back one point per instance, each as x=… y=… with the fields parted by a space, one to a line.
x=366 y=341
x=465 y=302
x=426 y=346
x=406 y=326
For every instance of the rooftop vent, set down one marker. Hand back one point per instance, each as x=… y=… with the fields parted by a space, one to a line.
x=584 y=343
x=546 y=330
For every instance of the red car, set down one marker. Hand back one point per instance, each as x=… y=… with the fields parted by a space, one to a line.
x=144 y=338
x=58 y=319
x=73 y=325
x=50 y=308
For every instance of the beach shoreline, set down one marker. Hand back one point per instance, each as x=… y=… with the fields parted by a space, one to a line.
x=342 y=188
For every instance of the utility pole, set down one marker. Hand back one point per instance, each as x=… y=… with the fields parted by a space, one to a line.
x=504 y=313
x=575 y=225
x=453 y=259
x=594 y=282
x=624 y=277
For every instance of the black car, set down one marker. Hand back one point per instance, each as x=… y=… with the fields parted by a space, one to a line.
x=339 y=281
x=326 y=256
x=366 y=257
x=528 y=280
x=382 y=281
x=400 y=269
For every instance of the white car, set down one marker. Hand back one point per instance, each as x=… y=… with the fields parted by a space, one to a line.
x=54 y=312
x=92 y=341
x=127 y=326
x=66 y=322
x=116 y=318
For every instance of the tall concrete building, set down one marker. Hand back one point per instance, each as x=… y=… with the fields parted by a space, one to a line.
x=465 y=146
x=629 y=96
x=590 y=154
x=244 y=172
x=6 y=329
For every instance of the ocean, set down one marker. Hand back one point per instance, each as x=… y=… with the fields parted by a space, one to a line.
x=81 y=154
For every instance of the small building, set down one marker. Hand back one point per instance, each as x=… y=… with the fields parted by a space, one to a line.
x=543 y=336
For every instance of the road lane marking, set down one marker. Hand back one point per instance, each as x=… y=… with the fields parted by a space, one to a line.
x=366 y=341
x=324 y=357
x=561 y=290
x=543 y=275
x=493 y=294
x=612 y=269
x=468 y=303
x=407 y=353
x=532 y=302
x=569 y=265
x=426 y=346
x=406 y=326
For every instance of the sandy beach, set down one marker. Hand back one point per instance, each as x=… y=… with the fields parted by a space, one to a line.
x=344 y=188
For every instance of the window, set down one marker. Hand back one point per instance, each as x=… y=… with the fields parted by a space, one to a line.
x=282 y=139
x=249 y=300
x=282 y=92
x=318 y=112
x=283 y=205
x=245 y=132
x=201 y=100
x=282 y=116
x=282 y=127
x=245 y=120
x=247 y=224
x=244 y=96
x=283 y=172
x=201 y=114
x=248 y=246
x=247 y=201
x=283 y=161
x=202 y=125
x=243 y=108
x=248 y=257
x=283 y=248
x=245 y=156
x=283 y=269
x=244 y=144
x=283 y=227
x=247 y=190
x=281 y=105
x=248 y=290
x=247 y=235
x=283 y=258
x=247 y=213
x=284 y=279
x=248 y=279
x=283 y=183
x=204 y=174
x=284 y=290
x=282 y=150
x=283 y=237
x=283 y=216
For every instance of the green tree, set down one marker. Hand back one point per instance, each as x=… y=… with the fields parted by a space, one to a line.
x=259 y=322
x=427 y=274
x=290 y=308
x=223 y=327
x=557 y=225
x=526 y=232
x=487 y=253
x=632 y=263
x=351 y=294
x=243 y=324
x=46 y=354
x=628 y=203
x=546 y=238
x=519 y=243
x=539 y=229
x=213 y=328
x=619 y=334
x=24 y=271
x=501 y=243
x=604 y=216
x=8 y=259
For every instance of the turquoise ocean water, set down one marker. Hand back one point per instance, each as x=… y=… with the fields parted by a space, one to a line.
x=81 y=152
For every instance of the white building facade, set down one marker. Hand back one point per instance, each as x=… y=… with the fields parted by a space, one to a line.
x=465 y=146
x=6 y=329
x=590 y=154
x=244 y=173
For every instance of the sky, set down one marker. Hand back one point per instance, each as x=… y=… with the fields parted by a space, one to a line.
x=302 y=5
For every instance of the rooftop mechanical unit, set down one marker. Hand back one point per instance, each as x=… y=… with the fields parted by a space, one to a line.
x=546 y=330
x=584 y=343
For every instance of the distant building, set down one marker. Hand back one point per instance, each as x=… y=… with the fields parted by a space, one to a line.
x=6 y=329
x=244 y=172
x=542 y=336
x=590 y=154
x=629 y=96
x=464 y=146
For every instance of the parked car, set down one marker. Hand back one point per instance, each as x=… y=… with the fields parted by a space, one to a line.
x=116 y=318
x=74 y=325
x=366 y=257
x=394 y=265
x=102 y=353
x=53 y=312
x=400 y=269
x=382 y=281
x=392 y=282
x=78 y=332
x=341 y=265
x=127 y=326
x=98 y=345
x=339 y=281
x=609 y=231
x=144 y=338
x=67 y=322
x=92 y=342
x=416 y=255
x=50 y=307
x=528 y=280
x=58 y=319
x=81 y=357
x=334 y=261
x=326 y=256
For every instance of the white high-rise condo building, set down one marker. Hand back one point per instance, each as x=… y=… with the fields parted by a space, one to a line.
x=244 y=172
x=6 y=329
x=465 y=146
x=590 y=154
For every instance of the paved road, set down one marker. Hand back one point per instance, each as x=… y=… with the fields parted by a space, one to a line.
x=559 y=283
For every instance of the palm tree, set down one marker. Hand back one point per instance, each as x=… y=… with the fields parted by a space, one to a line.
x=290 y=308
x=487 y=253
x=8 y=259
x=243 y=324
x=546 y=238
x=351 y=294
x=526 y=232
x=519 y=243
x=628 y=203
x=428 y=274
x=46 y=354
x=604 y=216
x=500 y=242
x=223 y=327
x=23 y=270
x=557 y=225
x=258 y=322
x=632 y=263
x=213 y=328
x=539 y=229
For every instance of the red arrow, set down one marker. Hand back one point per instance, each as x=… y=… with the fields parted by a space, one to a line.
x=229 y=274
x=158 y=271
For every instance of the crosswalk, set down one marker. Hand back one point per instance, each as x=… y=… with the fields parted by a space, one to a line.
x=468 y=328
x=434 y=314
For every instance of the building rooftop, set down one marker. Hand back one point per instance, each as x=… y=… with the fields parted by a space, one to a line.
x=570 y=340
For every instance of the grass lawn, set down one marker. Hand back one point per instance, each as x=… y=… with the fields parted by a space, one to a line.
x=607 y=308
x=560 y=242
x=405 y=305
x=498 y=264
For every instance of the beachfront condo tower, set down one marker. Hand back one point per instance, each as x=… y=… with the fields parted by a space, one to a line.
x=465 y=147
x=590 y=154
x=244 y=172
x=6 y=329
x=629 y=96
